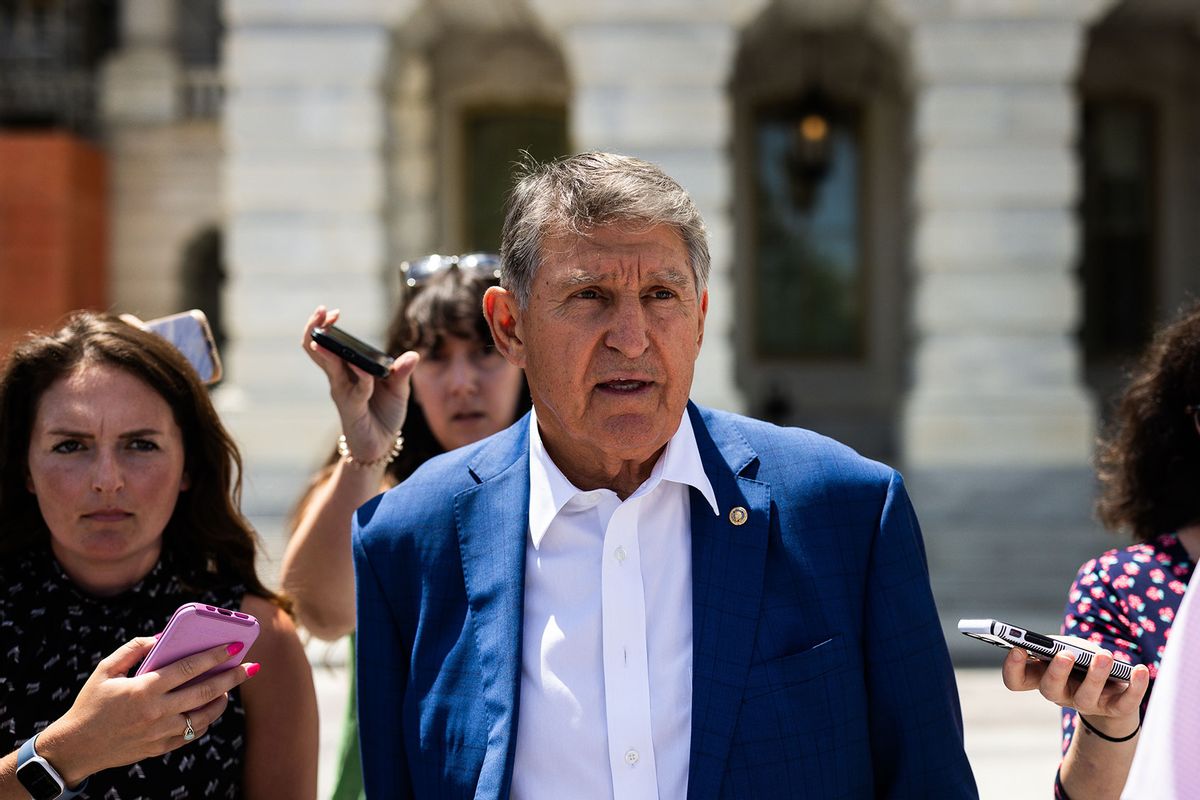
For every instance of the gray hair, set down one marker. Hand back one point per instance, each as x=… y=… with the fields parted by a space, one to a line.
x=577 y=194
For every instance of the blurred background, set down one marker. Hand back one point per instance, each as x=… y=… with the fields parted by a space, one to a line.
x=940 y=228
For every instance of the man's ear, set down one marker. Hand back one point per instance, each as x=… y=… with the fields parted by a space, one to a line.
x=504 y=318
x=703 y=312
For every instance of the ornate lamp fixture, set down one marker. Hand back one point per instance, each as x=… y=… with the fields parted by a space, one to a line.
x=811 y=152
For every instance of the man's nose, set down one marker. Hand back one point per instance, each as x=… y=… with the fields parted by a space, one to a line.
x=627 y=332
x=107 y=474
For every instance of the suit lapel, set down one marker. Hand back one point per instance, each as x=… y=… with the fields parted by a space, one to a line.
x=728 y=561
x=492 y=521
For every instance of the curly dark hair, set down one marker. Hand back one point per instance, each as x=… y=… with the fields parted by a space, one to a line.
x=206 y=531
x=1149 y=461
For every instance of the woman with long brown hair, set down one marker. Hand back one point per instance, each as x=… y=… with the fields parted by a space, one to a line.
x=119 y=492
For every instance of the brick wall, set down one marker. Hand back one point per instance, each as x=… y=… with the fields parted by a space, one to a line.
x=53 y=230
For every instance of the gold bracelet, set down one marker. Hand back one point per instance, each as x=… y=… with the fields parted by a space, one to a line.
x=343 y=450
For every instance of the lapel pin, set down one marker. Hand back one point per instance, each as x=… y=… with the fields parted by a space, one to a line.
x=738 y=515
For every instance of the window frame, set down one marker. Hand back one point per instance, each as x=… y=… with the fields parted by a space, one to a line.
x=856 y=113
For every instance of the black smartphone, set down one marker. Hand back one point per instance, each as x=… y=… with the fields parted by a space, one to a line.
x=1038 y=645
x=356 y=351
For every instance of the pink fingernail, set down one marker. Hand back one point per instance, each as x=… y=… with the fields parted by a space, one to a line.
x=252 y=669
x=234 y=648
x=158 y=636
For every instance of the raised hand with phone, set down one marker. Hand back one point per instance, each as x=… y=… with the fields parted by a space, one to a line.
x=371 y=406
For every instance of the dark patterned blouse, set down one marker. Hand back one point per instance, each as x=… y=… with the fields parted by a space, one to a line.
x=1125 y=601
x=52 y=636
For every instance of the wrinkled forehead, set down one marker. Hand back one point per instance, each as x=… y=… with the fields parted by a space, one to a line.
x=94 y=392
x=620 y=252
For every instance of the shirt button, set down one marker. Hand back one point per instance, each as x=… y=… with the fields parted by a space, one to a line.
x=631 y=757
x=619 y=555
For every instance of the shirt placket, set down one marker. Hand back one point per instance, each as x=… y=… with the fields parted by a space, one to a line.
x=626 y=666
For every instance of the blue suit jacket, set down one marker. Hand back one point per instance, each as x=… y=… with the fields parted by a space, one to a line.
x=819 y=666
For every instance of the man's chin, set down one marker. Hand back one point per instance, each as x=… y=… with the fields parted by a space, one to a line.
x=635 y=437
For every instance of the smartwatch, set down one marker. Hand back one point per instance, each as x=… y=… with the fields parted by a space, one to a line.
x=39 y=778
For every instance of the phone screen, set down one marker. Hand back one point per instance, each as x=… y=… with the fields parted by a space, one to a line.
x=190 y=333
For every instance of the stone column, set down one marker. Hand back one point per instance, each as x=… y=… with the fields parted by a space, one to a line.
x=998 y=427
x=163 y=167
x=140 y=82
x=997 y=372
x=305 y=127
x=413 y=177
x=649 y=80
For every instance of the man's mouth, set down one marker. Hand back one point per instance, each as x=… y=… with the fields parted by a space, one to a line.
x=468 y=416
x=623 y=386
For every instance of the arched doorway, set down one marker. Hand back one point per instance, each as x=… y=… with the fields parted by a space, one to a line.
x=1139 y=94
x=470 y=93
x=821 y=121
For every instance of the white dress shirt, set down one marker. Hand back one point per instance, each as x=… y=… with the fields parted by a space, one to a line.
x=606 y=688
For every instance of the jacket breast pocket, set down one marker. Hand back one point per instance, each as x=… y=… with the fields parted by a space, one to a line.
x=795 y=668
x=801 y=729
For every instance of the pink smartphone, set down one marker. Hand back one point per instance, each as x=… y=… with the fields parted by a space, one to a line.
x=195 y=627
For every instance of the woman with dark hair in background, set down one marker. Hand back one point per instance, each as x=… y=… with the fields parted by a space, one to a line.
x=119 y=492
x=462 y=390
x=1124 y=601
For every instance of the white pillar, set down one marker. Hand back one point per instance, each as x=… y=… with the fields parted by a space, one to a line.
x=649 y=80
x=140 y=82
x=997 y=375
x=997 y=429
x=304 y=189
x=163 y=168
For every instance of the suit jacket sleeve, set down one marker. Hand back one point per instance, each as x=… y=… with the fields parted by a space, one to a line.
x=381 y=665
x=915 y=718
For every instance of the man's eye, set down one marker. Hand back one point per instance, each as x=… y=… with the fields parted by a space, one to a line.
x=145 y=445
x=588 y=294
x=68 y=446
x=663 y=294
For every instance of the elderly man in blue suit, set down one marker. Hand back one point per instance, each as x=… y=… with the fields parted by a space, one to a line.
x=626 y=595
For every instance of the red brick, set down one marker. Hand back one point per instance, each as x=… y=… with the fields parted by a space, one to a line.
x=53 y=230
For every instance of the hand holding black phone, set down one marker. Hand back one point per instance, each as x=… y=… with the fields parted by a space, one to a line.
x=353 y=350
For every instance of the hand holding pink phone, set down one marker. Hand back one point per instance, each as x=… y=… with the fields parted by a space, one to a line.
x=195 y=627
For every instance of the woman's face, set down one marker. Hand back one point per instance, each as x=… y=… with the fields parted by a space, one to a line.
x=467 y=391
x=106 y=464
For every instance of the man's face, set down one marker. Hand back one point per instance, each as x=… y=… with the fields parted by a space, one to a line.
x=609 y=343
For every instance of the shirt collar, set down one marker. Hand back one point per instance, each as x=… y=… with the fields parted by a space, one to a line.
x=550 y=489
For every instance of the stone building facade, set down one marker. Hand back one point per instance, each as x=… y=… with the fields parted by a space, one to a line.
x=987 y=302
